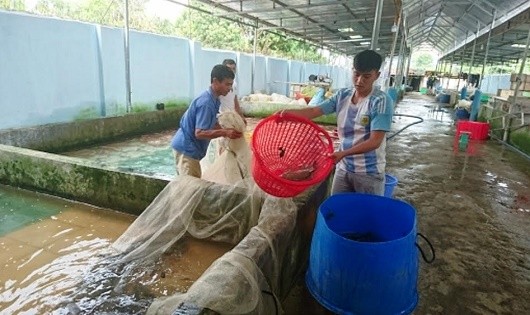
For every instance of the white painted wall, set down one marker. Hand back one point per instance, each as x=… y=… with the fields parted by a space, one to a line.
x=159 y=67
x=309 y=69
x=493 y=82
x=296 y=69
x=277 y=76
x=244 y=73
x=54 y=70
x=46 y=73
x=260 y=75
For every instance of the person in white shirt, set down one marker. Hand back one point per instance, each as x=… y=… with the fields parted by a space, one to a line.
x=229 y=102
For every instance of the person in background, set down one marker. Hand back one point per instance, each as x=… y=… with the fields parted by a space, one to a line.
x=230 y=101
x=199 y=124
x=364 y=115
x=430 y=83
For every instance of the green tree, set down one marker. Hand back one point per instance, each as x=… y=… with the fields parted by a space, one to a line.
x=422 y=62
x=212 y=31
x=106 y=12
x=216 y=32
x=15 y=5
x=58 y=8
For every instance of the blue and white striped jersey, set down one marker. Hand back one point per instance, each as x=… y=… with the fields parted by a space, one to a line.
x=354 y=124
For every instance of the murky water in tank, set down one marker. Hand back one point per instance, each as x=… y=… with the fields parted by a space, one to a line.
x=55 y=259
x=149 y=154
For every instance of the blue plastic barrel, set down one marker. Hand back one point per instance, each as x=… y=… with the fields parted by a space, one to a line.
x=445 y=98
x=475 y=105
x=363 y=256
x=461 y=114
x=463 y=93
x=390 y=184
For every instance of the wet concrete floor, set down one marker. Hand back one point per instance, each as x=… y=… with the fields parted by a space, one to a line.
x=474 y=207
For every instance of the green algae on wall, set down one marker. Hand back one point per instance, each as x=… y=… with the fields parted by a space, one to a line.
x=117 y=109
x=68 y=136
x=70 y=178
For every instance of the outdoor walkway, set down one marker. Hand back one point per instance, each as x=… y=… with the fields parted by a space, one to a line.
x=474 y=207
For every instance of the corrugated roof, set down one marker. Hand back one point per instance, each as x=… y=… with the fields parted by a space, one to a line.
x=451 y=27
x=341 y=25
x=346 y=26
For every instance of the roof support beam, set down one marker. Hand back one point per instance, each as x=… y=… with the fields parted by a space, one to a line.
x=331 y=24
x=487 y=50
x=276 y=9
x=453 y=24
x=377 y=23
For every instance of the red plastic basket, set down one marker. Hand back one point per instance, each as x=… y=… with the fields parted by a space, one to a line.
x=284 y=143
x=479 y=130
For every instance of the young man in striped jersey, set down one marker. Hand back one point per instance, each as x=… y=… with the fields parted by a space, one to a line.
x=364 y=115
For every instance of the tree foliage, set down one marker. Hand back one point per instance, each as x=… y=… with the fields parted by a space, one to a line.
x=212 y=31
x=15 y=5
x=422 y=61
x=216 y=32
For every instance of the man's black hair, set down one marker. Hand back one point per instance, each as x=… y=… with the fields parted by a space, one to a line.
x=227 y=62
x=221 y=72
x=367 y=60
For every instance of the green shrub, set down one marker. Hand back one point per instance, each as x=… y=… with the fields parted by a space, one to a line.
x=521 y=139
x=495 y=124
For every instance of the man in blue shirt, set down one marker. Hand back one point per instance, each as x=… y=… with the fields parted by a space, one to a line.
x=364 y=115
x=199 y=124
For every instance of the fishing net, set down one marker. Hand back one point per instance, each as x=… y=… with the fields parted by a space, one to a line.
x=244 y=280
x=187 y=204
x=233 y=163
x=225 y=206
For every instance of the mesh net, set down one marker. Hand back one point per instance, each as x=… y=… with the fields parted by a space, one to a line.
x=233 y=164
x=228 y=207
